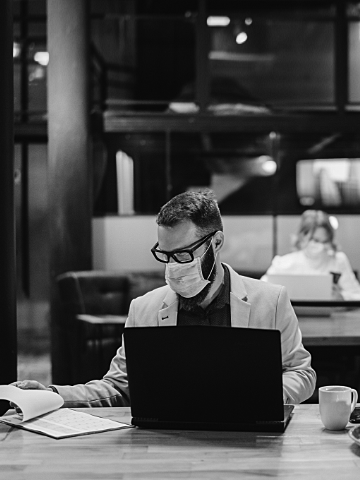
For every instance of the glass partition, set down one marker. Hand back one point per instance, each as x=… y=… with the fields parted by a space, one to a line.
x=238 y=167
x=148 y=60
x=271 y=173
x=134 y=177
x=235 y=57
x=30 y=61
x=38 y=59
x=320 y=171
x=353 y=17
x=264 y=57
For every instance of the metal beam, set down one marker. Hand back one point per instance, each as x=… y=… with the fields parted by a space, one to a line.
x=283 y=123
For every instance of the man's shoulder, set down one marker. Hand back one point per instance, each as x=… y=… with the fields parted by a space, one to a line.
x=158 y=294
x=267 y=300
x=255 y=285
x=252 y=286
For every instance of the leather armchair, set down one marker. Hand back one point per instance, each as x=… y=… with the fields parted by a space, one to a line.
x=85 y=349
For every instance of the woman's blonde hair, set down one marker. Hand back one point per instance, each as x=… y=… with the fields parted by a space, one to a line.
x=310 y=221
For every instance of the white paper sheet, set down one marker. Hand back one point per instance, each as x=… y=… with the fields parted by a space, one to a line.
x=41 y=413
x=65 y=423
x=31 y=402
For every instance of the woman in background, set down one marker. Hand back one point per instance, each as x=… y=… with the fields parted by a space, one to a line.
x=316 y=252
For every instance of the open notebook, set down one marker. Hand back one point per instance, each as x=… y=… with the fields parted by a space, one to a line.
x=206 y=378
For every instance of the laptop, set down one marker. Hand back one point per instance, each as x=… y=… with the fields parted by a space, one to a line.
x=305 y=286
x=206 y=378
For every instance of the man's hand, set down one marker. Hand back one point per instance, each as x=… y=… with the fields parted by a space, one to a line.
x=27 y=385
x=30 y=385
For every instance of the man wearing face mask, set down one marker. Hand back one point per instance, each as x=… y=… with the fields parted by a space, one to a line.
x=317 y=252
x=200 y=290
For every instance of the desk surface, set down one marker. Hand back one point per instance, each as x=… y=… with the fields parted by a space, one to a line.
x=102 y=319
x=341 y=328
x=305 y=450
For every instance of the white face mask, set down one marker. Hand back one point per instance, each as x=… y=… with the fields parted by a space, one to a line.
x=187 y=279
x=314 y=249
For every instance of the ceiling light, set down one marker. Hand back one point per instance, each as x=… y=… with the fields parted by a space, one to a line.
x=241 y=38
x=248 y=21
x=218 y=21
x=16 y=49
x=268 y=166
x=334 y=222
x=42 y=58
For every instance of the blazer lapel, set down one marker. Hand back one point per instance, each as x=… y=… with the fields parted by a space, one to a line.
x=168 y=313
x=239 y=304
x=240 y=311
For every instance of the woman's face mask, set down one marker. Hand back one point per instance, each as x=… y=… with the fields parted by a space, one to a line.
x=187 y=279
x=315 y=250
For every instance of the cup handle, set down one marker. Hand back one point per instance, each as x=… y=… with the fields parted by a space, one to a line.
x=355 y=399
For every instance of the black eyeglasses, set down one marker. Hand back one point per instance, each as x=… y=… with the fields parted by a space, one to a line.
x=185 y=255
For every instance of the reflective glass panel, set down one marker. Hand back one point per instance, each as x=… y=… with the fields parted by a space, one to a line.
x=37 y=29
x=319 y=171
x=17 y=89
x=37 y=7
x=37 y=92
x=354 y=61
x=238 y=167
x=149 y=61
x=38 y=59
x=272 y=59
x=134 y=180
x=329 y=183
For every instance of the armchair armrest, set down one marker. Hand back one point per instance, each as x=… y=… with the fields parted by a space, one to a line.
x=102 y=319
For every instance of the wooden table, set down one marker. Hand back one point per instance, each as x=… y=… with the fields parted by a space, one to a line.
x=341 y=328
x=334 y=346
x=305 y=450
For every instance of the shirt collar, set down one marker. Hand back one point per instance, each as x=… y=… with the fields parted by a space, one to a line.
x=222 y=298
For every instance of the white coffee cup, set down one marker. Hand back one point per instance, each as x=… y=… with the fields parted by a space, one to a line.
x=336 y=403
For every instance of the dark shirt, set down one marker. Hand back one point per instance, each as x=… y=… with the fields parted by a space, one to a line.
x=217 y=313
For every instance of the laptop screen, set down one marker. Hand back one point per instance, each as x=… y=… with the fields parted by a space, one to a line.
x=189 y=373
x=305 y=287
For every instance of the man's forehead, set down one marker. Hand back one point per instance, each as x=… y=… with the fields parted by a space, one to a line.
x=178 y=236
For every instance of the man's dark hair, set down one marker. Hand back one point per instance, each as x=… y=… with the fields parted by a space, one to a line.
x=199 y=207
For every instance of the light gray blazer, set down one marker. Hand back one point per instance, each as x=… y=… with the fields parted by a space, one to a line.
x=253 y=303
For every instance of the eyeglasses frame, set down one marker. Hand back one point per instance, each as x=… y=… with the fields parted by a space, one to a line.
x=190 y=249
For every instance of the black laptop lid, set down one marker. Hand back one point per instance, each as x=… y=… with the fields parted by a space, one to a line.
x=188 y=373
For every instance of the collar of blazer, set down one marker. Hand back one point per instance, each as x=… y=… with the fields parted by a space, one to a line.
x=239 y=305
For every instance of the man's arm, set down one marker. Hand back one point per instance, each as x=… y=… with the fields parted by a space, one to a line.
x=299 y=378
x=111 y=391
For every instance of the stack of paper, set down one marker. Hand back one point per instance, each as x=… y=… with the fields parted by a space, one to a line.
x=41 y=413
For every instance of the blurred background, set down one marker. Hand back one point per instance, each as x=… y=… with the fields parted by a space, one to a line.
x=258 y=100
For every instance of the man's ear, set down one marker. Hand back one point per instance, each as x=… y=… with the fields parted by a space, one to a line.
x=219 y=241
